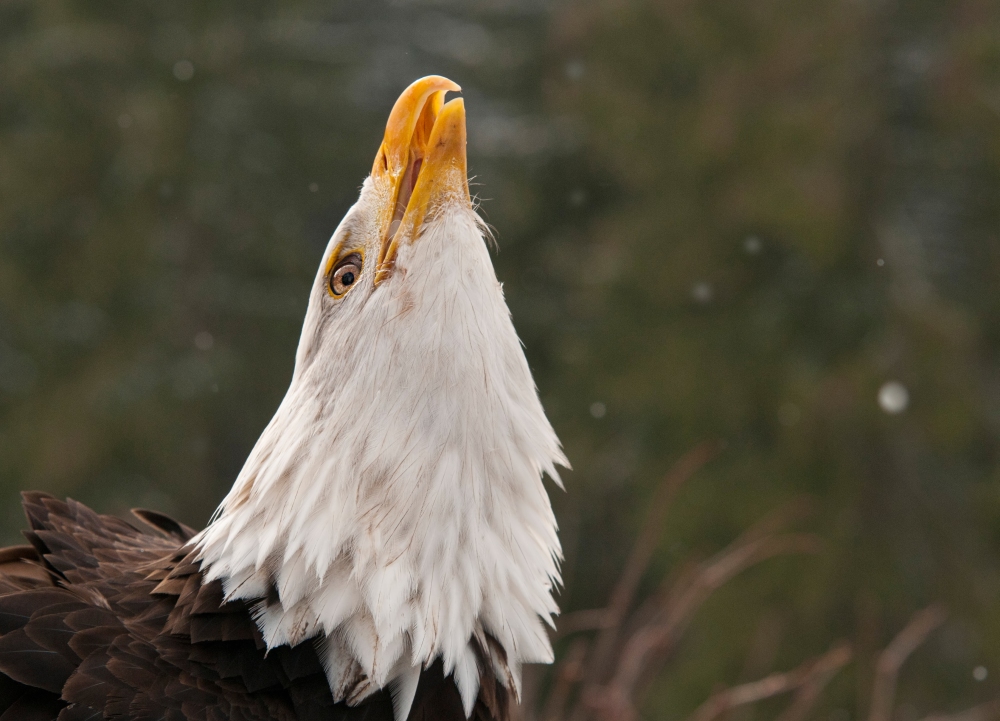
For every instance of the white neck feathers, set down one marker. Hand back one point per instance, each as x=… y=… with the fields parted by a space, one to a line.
x=393 y=508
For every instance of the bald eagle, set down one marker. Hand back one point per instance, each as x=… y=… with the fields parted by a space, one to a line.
x=388 y=550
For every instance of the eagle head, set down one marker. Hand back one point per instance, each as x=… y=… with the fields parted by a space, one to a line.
x=393 y=512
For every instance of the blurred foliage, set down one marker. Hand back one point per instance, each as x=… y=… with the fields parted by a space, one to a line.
x=726 y=220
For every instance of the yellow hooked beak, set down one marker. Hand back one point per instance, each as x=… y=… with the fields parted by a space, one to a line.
x=421 y=165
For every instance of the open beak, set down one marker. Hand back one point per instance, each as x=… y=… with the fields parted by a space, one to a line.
x=421 y=166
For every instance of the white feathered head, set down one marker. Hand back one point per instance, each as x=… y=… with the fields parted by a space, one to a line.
x=393 y=508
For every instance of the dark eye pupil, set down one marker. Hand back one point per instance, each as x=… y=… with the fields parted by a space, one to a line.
x=347 y=278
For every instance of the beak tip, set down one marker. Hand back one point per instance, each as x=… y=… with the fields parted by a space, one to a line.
x=453 y=112
x=406 y=113
x=439 y=82
x=454 y=131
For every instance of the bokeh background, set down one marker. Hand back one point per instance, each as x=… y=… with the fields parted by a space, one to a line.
x=772 y=223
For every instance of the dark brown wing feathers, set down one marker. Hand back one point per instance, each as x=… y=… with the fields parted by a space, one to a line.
x=101 y=620
x=165 y=524
x=21 y=562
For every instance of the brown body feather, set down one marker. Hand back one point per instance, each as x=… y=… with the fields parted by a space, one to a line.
x=101 y=620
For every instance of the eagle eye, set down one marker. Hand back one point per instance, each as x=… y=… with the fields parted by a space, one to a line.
x=345 y=274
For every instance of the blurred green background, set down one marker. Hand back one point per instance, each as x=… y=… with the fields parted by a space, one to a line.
x=769 y=222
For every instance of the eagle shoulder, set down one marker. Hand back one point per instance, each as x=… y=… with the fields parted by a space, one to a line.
x=99 y=619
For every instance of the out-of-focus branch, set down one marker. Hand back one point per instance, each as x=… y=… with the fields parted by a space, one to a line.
x=527 y=708
x=604 y=680
x=632 y=660
x=681 y=606
x=645 y=545
x=777 y=520
x=815 y=671
x=568 y=674
x=642 y=553
x=761 y=654
x=616 y=699
x=989 y=711
x=892 y=658
x=809 y=692
x=592 y=619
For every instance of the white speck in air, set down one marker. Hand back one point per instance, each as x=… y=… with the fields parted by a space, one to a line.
x=183 y=70
x=575 y=70
x=702 y=292
x=598 y=409
x=204 y=340
x=893 y=397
